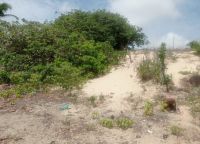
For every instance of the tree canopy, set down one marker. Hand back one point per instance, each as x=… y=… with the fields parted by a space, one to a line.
x=102 y=26
x=4 y=7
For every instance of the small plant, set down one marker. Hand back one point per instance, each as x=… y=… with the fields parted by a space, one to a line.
x=95 y=115
x=148 y=108
x=148 y=70
x=194 y=102
x=163 y=106
x=92 y=100
x=166 y=79
x=108 y=123
x=124 y=123
x=176 y=130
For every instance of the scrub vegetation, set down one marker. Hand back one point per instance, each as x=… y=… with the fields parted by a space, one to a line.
x=75 y=47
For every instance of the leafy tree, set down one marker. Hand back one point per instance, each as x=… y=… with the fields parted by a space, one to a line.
x=102 y=26
x=5 y=7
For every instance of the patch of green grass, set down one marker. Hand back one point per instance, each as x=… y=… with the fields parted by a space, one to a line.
x=176 y=130
x=18 y=90
x=148 y=108
x=124 y=123
x=106 y=122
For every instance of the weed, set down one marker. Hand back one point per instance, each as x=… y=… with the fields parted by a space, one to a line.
x=108 y=123
x=95 y=115
x=124 y=123
x=148 y=70
x=155 y=69
x=194 y=101
x=176 y=130
x=163 y=106
x=148 y=108
x=92 y=101
x=165 y=79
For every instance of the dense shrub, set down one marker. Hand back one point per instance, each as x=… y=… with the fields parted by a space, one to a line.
x=195 y=45
x=102 y=26
x=76 y=46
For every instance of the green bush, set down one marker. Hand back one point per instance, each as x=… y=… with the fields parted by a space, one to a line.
x=19 y=77
x=102 y=26
x=195 y=45
x=124 y=123
x=63 y=74
x=4 y=77
x=108 y=123
x=65 y=52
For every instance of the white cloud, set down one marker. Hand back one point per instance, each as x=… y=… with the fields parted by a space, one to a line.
x=65 y=7
x=38 y=10
x=142 y=12
x=171 y=39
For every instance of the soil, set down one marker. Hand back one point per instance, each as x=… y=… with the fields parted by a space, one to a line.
x=42 y=118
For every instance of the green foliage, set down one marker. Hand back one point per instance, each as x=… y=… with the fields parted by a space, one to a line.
x=3 y=8
x=4 y=77
x=76 y=46
x=19 y=90
x=108 y=123
x=102 y=26
x=95 y=115
x=124 y=123
x=148 y=108
x=155 y=69
x=195 y=45
x=62 y=74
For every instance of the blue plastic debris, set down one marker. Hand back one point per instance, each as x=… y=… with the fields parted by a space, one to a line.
x=65 y=106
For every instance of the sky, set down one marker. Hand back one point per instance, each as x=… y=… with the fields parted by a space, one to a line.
x=169 y=21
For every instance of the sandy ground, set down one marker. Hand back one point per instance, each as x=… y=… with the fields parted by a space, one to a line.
x=38 y=119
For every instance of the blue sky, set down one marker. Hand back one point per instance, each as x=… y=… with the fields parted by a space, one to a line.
x=162 y=20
